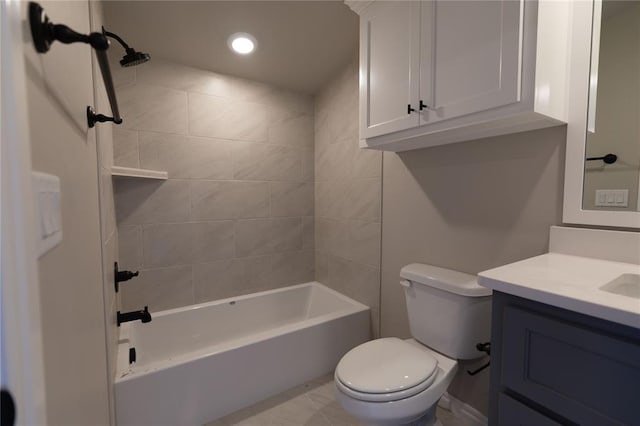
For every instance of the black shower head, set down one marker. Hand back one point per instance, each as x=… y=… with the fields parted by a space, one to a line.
x=133 y=58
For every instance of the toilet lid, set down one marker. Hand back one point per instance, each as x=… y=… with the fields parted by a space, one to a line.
x=384 y=366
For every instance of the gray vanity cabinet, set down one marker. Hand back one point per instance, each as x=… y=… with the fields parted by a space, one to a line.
x=551 y=366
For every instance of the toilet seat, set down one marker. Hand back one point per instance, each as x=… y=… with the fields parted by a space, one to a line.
x=385 y=370
x=408 y=409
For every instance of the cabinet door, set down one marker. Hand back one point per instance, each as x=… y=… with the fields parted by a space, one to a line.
x=514 y=413
x=389 y=37
x=579 y=373
x=470 y=58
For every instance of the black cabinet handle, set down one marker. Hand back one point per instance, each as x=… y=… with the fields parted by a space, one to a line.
x=410 y=109
x=423 y=105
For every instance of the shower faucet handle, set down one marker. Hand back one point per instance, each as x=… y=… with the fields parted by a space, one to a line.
x=127 y=275
x=120 y=276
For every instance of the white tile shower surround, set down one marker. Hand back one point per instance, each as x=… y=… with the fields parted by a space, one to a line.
x=237 y=213
x=348 y=196
x=311 y=404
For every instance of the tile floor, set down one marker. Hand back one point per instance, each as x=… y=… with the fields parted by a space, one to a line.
x=311 y=404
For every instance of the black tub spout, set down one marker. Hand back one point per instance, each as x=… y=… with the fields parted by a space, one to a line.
x=144 y=316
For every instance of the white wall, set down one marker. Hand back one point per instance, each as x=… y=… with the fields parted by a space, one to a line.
x=469 y=206
x=59 y=88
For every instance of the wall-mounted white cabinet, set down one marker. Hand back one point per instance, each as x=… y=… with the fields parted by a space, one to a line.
x=437 y=72
x=389 y=68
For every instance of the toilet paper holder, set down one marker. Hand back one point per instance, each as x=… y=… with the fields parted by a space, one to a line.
x=482 y=347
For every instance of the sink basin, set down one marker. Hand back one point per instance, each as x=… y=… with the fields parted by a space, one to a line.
x=625 y=284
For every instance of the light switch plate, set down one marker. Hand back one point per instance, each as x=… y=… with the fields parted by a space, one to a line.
x=46 y=189
x=612 y=197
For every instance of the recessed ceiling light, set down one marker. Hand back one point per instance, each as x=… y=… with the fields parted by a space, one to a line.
x=242 y=43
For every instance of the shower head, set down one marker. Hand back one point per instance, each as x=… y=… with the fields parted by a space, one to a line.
x=131 y=57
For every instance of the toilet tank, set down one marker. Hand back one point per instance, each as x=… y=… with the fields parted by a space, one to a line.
x=448 y=311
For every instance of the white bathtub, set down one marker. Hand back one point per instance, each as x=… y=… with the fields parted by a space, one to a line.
x=201 y=362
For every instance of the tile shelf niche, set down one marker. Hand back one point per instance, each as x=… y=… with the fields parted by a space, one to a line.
x=130 y=172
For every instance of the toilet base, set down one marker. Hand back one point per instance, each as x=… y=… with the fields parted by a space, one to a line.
x=427 y=419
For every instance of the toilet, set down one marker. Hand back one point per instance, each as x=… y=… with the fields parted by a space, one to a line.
x=391 y=381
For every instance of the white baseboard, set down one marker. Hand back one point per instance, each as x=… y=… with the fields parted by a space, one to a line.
x=464 y=414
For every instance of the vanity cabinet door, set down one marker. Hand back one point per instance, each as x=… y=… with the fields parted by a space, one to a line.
x=389 y=73
x=471 y=59
x=514 y=413
x=581 y=374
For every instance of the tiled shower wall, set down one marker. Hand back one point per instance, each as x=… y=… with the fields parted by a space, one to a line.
x=348 y=197
x=237 y=212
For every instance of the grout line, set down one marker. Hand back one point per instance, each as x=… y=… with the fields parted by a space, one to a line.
x=140 y=234
x=193 y=285
x=188 y=109
x=217 y=139
x=199 y=221
x=381 y=247
x=138 y=149
x=270 y=199
x=235 y=238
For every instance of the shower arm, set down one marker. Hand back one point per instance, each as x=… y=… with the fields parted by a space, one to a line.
x=44 y=33
x=116 y=37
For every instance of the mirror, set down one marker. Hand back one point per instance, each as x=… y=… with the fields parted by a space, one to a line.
x=612 y=154
x=589 y=103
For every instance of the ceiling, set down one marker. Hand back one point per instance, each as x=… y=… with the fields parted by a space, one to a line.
x=301 y=44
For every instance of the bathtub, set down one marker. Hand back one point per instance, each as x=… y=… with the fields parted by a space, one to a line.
x=199 y=363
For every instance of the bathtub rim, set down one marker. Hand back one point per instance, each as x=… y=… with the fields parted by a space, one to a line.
x=125 y=372
x=224 y=301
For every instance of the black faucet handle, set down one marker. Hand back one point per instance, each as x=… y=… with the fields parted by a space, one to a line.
x=146 y=315
x=120 y=276
x=126 y=275
x=142 y=315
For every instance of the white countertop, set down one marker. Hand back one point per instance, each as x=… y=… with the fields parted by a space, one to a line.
x=569 y=282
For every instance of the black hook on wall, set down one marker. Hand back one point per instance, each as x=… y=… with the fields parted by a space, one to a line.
x=44 y=33
x=608 y=159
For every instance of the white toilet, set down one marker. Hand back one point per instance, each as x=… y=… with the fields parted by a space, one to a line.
x=391 y=381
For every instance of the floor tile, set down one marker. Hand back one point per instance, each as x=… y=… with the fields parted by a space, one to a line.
x=311 y=404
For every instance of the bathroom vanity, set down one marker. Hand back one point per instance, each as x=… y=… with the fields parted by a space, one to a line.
x=566 y=333
x=566 y=324
x=553 y=366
